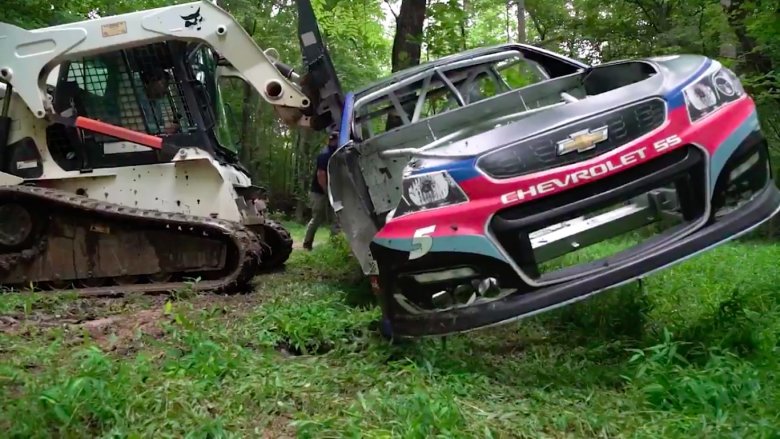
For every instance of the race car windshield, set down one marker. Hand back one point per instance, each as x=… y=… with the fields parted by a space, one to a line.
x=437 y=90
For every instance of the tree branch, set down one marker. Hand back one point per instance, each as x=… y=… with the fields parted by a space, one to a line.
x=539 y=29
x=389 y=6
x=647 y=14
x=551 y=43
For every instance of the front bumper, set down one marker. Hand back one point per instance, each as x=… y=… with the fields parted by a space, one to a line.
x=709 y=225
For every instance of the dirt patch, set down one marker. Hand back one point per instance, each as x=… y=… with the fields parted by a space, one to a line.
x=290 y=349
x=26 y=325
x=117 y=322
x=8 y=324
x=119 y=331
x=231 y=306
x=73 y=313
x=279 y=428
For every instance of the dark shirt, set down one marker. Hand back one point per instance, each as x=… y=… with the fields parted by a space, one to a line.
x=322 y=164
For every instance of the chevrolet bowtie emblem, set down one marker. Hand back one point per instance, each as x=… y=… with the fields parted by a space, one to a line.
x=582 y=141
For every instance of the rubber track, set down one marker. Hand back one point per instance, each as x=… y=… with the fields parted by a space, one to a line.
x=278 y=255
x=246 y=241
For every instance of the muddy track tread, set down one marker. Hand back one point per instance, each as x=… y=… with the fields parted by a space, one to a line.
x=246 y=241
x=279 y=253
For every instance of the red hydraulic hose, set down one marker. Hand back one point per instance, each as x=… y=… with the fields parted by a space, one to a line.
x=119 y=132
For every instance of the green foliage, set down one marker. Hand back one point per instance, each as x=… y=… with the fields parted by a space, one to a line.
x=487 y=23
x=763 y=25
x=317 y=321
x=445 y=32
x=332 y=261
x=723 y=384
x=28 y=14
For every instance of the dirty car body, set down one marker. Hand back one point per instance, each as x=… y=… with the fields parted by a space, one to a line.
x=505 y=181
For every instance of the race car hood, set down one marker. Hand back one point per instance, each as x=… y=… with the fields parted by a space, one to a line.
x=607 y=89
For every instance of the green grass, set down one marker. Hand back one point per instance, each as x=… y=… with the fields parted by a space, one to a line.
x=298 y=231
x=692 y=353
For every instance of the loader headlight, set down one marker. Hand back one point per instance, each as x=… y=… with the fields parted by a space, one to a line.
x=708 y=94
x=429 y=191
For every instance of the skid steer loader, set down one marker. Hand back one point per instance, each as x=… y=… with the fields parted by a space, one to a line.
x=114 y=172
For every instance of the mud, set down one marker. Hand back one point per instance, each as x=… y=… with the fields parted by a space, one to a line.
x=279 y=428
x=7 y=323
x=120 y=325
x=121 y=331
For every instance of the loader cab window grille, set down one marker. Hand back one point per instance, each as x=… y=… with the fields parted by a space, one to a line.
x=143 y=89
x=158 y=91
x=135 y=89
x=90 y=75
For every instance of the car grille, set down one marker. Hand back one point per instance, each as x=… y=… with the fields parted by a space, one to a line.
x=681 y=171
x=541 y=153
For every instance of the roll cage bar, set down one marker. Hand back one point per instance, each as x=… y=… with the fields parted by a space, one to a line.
x=435 y=80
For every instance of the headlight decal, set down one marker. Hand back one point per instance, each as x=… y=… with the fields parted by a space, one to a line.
x=429 y=191
x=711 y=92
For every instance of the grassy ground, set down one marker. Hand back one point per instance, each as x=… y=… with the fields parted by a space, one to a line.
x=298 y=231
x=691 y=353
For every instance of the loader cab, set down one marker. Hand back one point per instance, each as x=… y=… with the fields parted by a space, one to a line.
x=161 y=89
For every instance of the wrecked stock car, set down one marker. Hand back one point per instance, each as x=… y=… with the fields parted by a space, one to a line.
x=479 y=188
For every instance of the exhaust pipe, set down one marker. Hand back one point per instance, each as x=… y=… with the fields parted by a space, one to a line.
x=488 y=287
x=467 y=293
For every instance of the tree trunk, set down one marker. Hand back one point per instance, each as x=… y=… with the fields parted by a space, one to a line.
x=464 y=24
x=754 y=61
x=407 y=44
x=246 y=125
x=506 y=24
x=302 y=177
x=521 y=21
x=535 y=20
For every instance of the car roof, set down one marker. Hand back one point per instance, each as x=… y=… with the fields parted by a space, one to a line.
x=471 y=53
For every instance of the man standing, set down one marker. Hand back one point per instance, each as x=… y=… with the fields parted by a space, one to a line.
x=259 y=204
x=318 y=195
x=156 y=82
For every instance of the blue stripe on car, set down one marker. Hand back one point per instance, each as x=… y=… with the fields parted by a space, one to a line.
x=349 y=102
x=457 y=244
x=460 y=170
x=675 y=96
x=727 y=148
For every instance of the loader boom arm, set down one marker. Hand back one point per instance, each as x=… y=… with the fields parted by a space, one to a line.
x=29 y=56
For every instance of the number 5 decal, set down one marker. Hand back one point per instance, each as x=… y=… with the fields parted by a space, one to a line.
x=421 y=243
